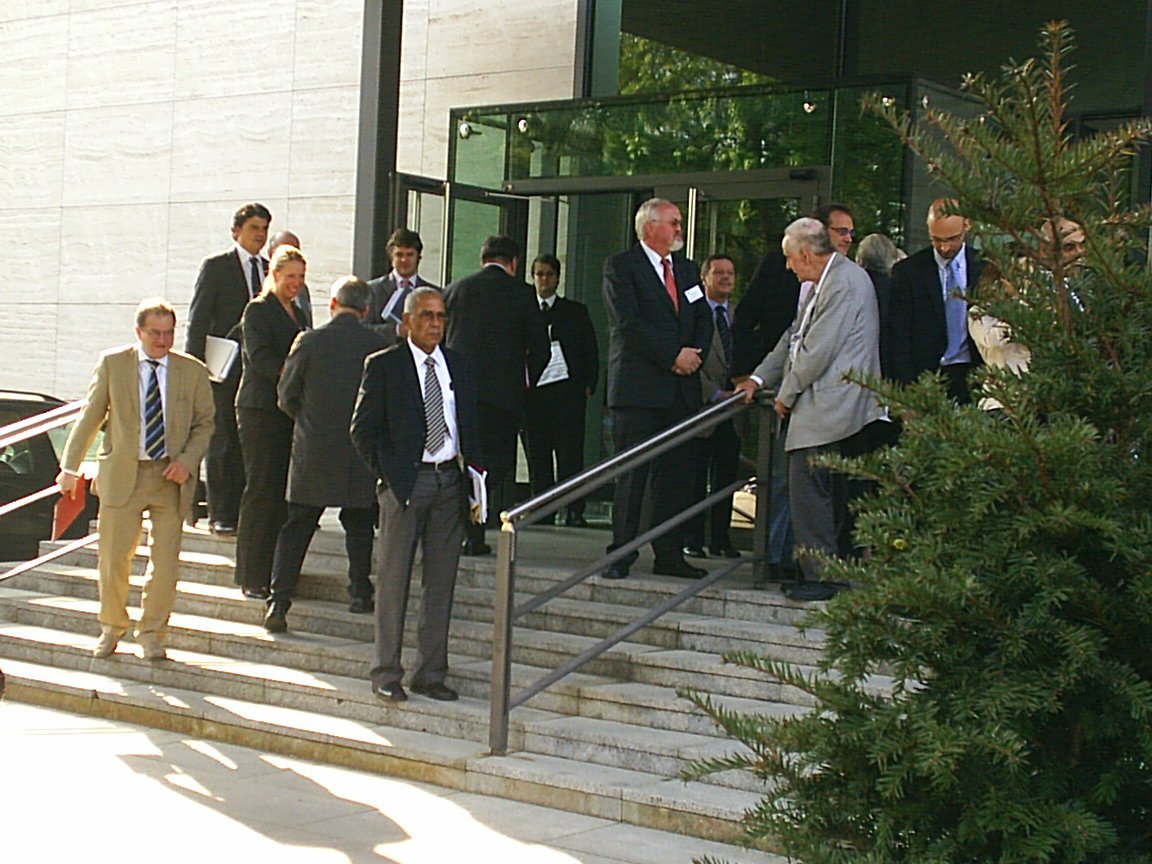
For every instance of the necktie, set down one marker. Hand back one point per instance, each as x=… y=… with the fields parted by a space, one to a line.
x=435 y=427
x=955 y=314
x=670 y=285
x=255 y=267
x=725 y=335
x=153 y=415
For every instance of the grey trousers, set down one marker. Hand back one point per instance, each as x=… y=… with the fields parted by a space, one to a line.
x=812 y=498
x=433 y=520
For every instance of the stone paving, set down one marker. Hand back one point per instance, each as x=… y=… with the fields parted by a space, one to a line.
x=81 y=788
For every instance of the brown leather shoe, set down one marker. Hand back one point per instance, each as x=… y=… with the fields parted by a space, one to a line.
x=106 y=644
x=151 y=647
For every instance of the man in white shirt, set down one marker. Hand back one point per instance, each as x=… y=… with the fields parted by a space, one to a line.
x=415 y=425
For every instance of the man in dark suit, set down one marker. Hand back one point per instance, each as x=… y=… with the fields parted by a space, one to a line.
x=223 y=288
x=554 y=417
x=415 y=425
x=718 y=458
x=493 y=320
x=318 y=389
x=386 y=298
x=928 y=331
x=660 y=327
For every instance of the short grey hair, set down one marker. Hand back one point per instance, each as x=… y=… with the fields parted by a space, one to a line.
x=807 y=233
x=649 y=211
x=351 y=292
x=413 y=299
x=878 y=253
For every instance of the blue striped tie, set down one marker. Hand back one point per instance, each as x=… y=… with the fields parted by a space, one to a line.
x=153 y=416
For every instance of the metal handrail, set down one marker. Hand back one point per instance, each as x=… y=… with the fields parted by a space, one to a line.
x=30 y=427
x=22 y=430
x=551 y=500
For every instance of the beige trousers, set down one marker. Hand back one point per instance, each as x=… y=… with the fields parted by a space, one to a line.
x=119 y=529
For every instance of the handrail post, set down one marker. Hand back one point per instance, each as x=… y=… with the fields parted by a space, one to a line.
x=766 y=446
x=502 y=638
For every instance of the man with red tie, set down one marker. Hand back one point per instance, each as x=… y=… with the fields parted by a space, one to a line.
x=660 y=326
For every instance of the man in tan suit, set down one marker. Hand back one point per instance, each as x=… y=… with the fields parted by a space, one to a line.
x=156 y=407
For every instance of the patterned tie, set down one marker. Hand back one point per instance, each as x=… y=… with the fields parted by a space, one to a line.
x=436 y=428
x=255 y=275
x=725 y=335
x=670 y=284
x=955 y=314
x=153 y=416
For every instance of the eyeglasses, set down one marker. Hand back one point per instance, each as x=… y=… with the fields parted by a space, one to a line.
x=846 y=232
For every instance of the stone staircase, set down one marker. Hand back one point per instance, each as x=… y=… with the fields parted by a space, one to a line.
x=607 y=741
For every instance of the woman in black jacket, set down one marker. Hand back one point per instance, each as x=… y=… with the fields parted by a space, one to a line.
x=269 y=326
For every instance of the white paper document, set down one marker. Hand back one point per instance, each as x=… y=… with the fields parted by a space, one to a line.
x=478 y=495
x=219 y=356
x=557 y=368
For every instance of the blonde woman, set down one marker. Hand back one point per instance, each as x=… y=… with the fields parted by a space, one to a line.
x=269 y=326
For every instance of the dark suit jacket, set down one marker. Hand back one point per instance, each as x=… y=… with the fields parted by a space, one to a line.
x=918 y=329
x=882 y=282
x=218 y=300
x=572 y=328
x=381 y=291
x=388 y=421
x=765 y=311
x=647 y=334
x=494 y=322
x=318 y=390
x=268 y=333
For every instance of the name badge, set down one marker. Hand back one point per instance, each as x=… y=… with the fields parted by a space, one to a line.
x=693 y=294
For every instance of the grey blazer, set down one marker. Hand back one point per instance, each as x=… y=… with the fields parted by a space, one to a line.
x=841 y=333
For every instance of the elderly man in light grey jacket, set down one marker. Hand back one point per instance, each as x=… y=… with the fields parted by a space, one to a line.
x=836 y=330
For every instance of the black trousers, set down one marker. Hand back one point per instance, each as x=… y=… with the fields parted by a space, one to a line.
x=266 y=439
x=295 y=536
x=554 y=428
x=717 y=464
x=498 y=431
x=224 y=462
x=671 y=476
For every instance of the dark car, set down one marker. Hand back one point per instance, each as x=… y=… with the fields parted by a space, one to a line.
x=29 y=466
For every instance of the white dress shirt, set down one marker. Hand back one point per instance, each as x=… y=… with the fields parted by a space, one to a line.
x=451 y=447
x=145 y=378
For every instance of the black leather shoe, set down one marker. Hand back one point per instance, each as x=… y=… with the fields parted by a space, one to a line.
x=223 y=529
x=391 y=692
x=680 y=569
x=276 y=621
x=362 y=605
x=725 y=552
x=574 y=521
x=616 y=571
x=476 y=550
x=439 y=691
x=694 y=552
x=807 y=592
x=256 y=593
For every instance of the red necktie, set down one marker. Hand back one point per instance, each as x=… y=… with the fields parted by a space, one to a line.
x=670 y=284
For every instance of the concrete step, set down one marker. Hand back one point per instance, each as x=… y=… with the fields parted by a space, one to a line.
x=562 y=614
x=538 y=568
x=605 y=742
x=639 y=798
x=207 y=623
